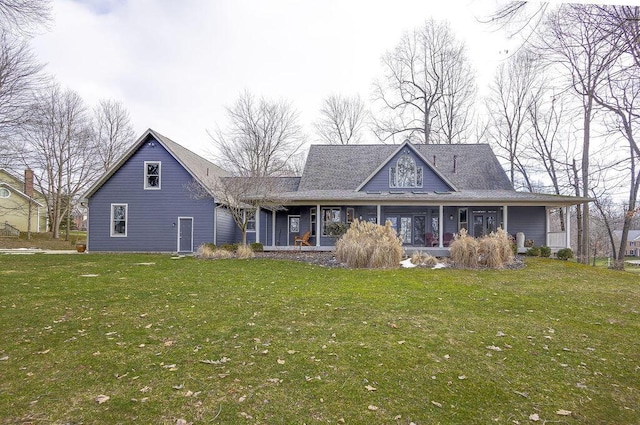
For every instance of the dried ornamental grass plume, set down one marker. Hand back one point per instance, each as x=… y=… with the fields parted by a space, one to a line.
x=464 y=250
x=245 y=251
x=495 y=249
x=369 y=245
x=209 y=251
x=423 y=259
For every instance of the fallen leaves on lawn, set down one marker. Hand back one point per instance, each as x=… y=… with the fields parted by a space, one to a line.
x=435 y=403
x=216 y=362
x=493 y=348
x=563 y=412
x=102 y=398
x=534 y=417
x=280 y=361
x=373 y=408
x=370 y=388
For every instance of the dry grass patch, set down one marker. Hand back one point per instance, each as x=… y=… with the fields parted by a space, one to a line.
x=423 y=259
x=369 y=245
x=493 y=251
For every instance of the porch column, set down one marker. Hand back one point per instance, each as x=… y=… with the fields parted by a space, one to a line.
x=440 y=225
x=258 y=225
x=548 y=213
x=379 y=214
x=318 y=225
x=273 y=228
x=567 y=226
x=505 y=217
x=215 y=225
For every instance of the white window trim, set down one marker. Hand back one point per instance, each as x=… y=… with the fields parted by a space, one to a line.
x=248 y=220
x=324 y=224
x=146 y=187
x=418 y=176
x=126 y=222
x=7 y=191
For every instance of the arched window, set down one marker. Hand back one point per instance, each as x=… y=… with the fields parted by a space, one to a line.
x=406 y=174
x=4 y=192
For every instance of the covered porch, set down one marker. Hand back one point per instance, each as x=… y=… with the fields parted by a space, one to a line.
x=428 y=228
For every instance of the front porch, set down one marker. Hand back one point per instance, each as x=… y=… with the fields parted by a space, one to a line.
x=427 y=228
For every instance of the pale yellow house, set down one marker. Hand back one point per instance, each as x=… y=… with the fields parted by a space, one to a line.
x=19 y=201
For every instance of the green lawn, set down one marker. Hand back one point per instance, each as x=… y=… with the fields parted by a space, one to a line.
x=277 y=342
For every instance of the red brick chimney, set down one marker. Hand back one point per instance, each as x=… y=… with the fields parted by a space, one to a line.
x=28 y=183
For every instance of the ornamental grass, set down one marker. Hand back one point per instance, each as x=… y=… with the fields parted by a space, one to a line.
x=369 y=245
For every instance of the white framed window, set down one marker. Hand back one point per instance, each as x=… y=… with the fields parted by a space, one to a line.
x=251 y=220
x=312 y=222
x=4 y=192
x=152 y=174
x=119 y=213
x=406 y=174
x=329 y=216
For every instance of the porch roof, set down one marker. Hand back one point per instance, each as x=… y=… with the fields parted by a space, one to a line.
x=417 y=197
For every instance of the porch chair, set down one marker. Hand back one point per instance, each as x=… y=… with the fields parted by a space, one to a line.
x=302 y=240
x=430 y=240
x=447 y=238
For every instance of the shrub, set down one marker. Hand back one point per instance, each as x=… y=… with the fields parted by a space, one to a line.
x=534 y=251
x=336 y=229
x=244 y=251
x=423 y=259
x=464 y=250
x=257 y=247
x=564 y=254
x=545 y=251
x=231 y=247
x=369 y=245
x=209 y=250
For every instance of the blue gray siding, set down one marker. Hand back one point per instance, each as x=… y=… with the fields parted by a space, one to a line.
x=532 y=221
x=431 y=181
x=152 y=222
x=225 y=227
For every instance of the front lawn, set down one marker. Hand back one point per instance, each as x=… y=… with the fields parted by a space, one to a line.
x=277 y=342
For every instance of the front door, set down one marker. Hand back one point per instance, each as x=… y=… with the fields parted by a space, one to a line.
x=294 y=228
x=185 y=234
x=484 y=223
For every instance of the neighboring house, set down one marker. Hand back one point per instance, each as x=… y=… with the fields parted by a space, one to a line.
x=19 y=201
x=633 y=242
x=426 y=192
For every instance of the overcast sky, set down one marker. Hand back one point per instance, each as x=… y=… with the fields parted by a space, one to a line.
x=177 y=64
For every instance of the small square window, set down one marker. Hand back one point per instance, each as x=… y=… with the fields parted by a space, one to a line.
x=152 y=175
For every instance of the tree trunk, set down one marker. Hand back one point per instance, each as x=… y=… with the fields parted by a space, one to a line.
x=583 y=255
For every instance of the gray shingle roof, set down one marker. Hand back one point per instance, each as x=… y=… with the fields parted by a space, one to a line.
x=202 y=170
x=346 y=167
x=633 y=235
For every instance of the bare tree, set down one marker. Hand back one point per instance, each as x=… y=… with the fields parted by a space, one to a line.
x=576 y=38
x=24 y=16
x=112 y=131
x=59 y=149
x=515 y=87
x=620 y=97
x=422 y=90
x=19 y=77
x=341 y=120
x=261 y=137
